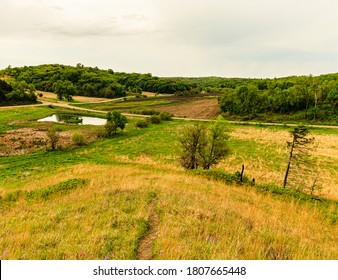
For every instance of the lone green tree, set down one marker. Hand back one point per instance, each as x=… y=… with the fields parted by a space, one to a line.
x=115 y=120
x=299 y=162
x=191 y=139
x=215 y=146
x=202 y=146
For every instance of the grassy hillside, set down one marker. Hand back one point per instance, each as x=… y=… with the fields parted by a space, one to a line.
x=198 y=218
x=102 y=200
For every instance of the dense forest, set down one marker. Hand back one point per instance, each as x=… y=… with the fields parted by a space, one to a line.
x=312 y=97
x=89 y=81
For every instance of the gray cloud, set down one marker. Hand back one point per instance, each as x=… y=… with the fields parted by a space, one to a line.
x=189 y=38
x=111 y=27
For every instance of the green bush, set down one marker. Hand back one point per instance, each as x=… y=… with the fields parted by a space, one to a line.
x=145 y=112
x=110 y=129
x=78 y=139
x=101 y=133
x=53 y=136
x=141 y=124
x=115 y=120
x=154 y=119
x=165 y=116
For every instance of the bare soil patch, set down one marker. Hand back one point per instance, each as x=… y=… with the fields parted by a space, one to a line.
x=76 y=98
x=200 y=109
x=27 y=140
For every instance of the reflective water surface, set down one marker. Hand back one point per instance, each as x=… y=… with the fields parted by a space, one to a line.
x=74 y=119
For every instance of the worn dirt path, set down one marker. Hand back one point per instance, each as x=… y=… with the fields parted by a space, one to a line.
x=144 y=251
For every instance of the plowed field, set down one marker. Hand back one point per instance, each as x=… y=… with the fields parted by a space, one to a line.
x=200 y=109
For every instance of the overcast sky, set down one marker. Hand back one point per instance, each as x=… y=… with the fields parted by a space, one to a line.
x=227 y=38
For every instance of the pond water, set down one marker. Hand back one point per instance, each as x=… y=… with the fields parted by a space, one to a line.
x=74 y=119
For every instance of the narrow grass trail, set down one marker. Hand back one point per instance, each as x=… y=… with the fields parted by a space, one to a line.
x=144 y=251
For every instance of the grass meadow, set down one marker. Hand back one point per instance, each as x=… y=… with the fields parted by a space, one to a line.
x=100 y=200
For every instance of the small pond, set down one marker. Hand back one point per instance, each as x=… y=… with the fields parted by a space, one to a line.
x=74 y=119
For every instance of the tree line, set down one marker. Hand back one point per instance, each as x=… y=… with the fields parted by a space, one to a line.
x=312 y=98
x=91 y=81
x=303 y=97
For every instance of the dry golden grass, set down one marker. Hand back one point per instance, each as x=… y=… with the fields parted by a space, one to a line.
x=76 y=98
x=326 y=146
x=102 y=220
x=263 y=136
x=147 y=93
x=211 y=221
x=199 y=219
x=268 y=162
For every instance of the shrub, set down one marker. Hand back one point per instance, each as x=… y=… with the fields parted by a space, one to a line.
x=110 y=128
x=101 y=133
x=115 y=120
x=53 y=136
x=165 y=116
x=145 y=112
x=78 y=139
x=141 y=124
x=154 y=119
